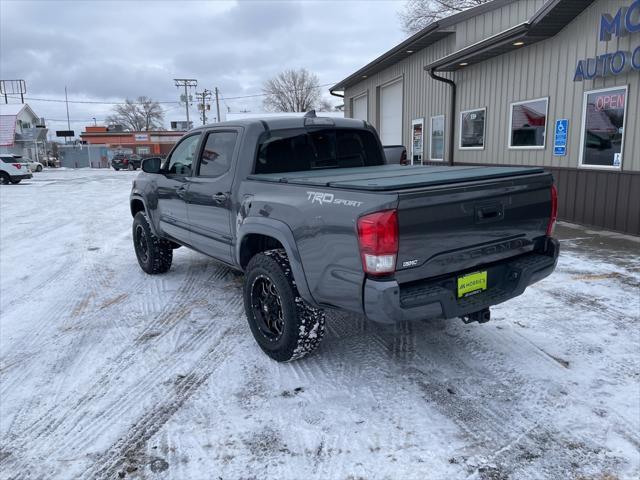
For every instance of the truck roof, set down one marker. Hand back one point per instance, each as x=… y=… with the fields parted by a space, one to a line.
x=281 y=123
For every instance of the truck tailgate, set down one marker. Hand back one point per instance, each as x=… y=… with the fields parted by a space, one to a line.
x=466 y=224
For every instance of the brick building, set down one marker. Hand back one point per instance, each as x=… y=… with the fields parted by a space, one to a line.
x=142 y=143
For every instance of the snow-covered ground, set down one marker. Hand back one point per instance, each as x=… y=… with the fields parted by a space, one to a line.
x=106 y=372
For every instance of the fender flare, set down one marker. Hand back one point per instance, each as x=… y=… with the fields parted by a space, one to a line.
x=281 y=232
x=137 y=196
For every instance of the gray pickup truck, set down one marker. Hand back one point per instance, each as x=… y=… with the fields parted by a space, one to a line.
x=310 y=212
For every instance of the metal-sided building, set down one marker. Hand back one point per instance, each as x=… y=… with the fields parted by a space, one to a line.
x=554 y=83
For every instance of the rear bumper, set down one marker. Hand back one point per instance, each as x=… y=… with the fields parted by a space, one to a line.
x=389 y=302
x=26 y=176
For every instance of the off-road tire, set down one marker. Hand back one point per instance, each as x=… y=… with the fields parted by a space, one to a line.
x=39 y=168
x=158 y=255
x=5 y=179
x=304 y=325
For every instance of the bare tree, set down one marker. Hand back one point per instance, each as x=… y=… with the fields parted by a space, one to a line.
x=325 y=105
x=292 y=91
x=417 y=14
x=140 y=115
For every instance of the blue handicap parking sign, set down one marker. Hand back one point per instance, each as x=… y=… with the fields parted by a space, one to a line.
x=560 y=138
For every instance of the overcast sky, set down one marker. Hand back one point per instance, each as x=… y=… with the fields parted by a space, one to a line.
x=110 y=50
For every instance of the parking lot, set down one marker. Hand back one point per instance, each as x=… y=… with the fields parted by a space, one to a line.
x=106 y=372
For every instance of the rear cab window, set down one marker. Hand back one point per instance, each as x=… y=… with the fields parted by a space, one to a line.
x=296 y=150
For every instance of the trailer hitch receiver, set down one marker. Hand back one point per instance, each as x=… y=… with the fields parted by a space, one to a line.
x=482 y=316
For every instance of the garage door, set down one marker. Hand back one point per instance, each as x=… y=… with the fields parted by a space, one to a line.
x=391 y=114
x=360 y=110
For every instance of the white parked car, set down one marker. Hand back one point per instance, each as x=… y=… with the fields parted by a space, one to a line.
x=12 y=170
x=34 y=166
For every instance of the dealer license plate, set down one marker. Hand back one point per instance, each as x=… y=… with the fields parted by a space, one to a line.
x=472 y=283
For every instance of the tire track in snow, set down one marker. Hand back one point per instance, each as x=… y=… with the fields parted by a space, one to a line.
x=58 y=275
x=506 y=417
x=130 y=396
x=175 y=307
x=94 y=278
x=132 y=445
x=74 y=417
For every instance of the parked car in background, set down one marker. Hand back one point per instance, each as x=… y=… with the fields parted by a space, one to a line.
x=12 y=158
x=34 y=166
x=123 y=161
x=12 y=171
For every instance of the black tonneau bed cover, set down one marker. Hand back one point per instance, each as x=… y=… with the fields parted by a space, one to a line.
x=392 y=177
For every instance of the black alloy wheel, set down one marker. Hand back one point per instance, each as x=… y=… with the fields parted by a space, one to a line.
x=142 y=244
x=154 y=254
x=267 y=307
x=284 y=325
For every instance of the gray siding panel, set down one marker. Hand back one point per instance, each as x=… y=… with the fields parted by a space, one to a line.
x=544 y=69
x=547 y=69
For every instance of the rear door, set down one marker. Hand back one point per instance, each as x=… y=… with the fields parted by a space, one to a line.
x=172 y=188
x=209 y=203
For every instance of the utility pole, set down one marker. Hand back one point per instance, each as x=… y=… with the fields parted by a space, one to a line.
x=66 y=100
x=203 y=106
x=217 y=104
x=186 y=83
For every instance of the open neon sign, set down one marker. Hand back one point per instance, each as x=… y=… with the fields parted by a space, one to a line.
x=609 y=101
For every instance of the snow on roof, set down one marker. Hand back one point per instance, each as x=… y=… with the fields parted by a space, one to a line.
x=11 y=108
x=8 y=114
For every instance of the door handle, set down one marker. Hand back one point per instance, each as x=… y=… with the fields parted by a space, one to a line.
x=219 y=197
x=492 y=213
x=181 y=191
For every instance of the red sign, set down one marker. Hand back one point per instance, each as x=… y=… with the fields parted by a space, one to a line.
x=609 y=101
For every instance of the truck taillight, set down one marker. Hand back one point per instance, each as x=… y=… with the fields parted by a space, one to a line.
x=378 y=240
x=17 y=165
x=554 y=211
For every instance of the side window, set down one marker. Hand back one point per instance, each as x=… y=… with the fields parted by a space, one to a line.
x=182 y=157
x=217 y=154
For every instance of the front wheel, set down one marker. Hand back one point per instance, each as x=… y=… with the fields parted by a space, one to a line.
x=284 y=325
x=154 y=253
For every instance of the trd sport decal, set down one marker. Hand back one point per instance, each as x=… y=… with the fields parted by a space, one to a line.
x=325 y=197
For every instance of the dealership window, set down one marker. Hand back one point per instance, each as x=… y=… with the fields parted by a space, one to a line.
x=437 y=138
x=472 y=128
x=528 y=123
x=143 y=150
x=603 y=117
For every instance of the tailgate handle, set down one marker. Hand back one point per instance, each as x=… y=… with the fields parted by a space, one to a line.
x=490 y=213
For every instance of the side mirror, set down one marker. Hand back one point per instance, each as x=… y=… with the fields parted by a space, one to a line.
x=152 y=165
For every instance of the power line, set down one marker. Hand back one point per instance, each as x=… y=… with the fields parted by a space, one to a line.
x=163 y=102
x=90 y=102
